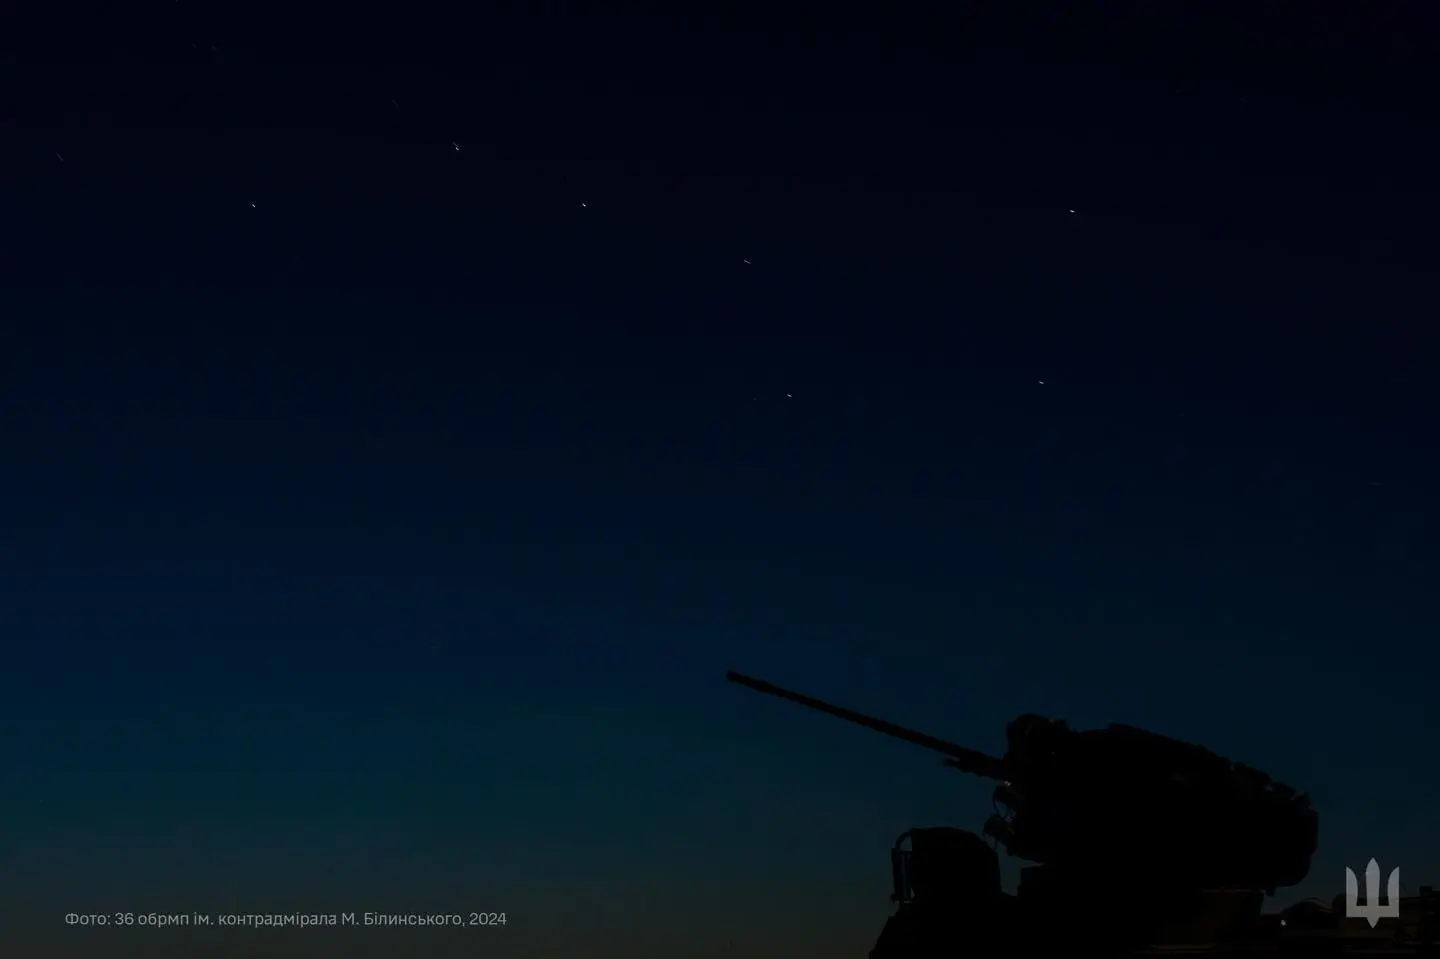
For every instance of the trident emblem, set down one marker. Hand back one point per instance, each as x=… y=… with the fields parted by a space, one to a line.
x=1372 y=912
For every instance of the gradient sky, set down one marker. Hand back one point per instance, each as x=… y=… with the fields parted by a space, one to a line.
x=378 y=518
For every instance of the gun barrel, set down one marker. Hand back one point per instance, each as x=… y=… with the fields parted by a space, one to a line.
x=967 y=760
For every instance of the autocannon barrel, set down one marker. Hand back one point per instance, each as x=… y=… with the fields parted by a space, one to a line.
x=966 y=760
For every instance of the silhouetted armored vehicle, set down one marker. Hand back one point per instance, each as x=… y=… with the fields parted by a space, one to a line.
x=1138 y=842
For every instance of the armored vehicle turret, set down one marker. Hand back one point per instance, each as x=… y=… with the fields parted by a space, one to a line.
x=1134 y=840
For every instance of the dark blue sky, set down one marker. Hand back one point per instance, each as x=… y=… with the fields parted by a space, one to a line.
x=383 y=544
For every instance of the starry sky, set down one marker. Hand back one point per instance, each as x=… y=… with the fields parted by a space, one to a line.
x=407 y=421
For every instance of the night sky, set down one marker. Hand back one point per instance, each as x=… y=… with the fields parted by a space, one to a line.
x=407 y=420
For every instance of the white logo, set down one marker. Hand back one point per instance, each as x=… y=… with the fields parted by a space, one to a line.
x=1372 y=911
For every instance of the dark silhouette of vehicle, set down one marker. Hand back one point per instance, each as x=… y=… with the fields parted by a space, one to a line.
x=1138 y=843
